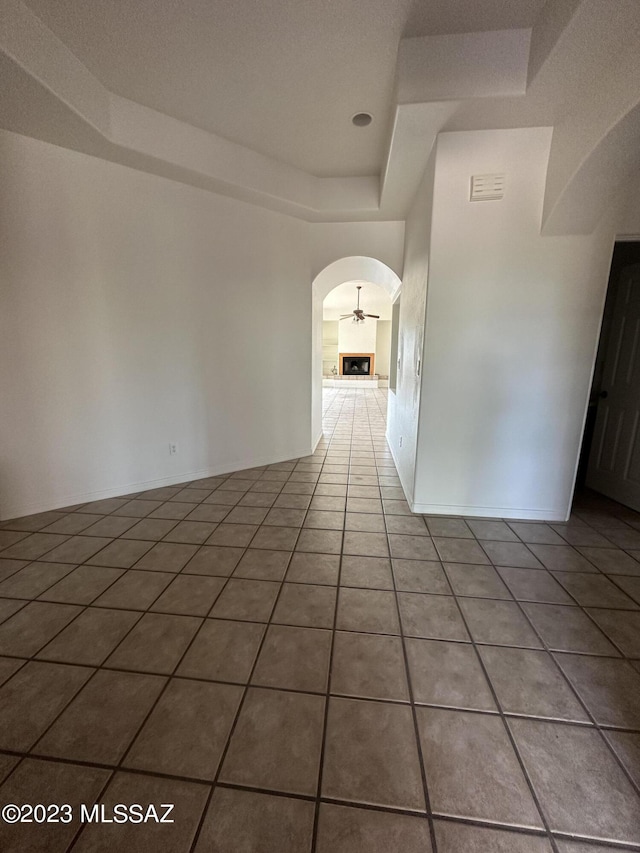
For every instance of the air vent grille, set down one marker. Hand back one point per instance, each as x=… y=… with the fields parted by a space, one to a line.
x=487 y=187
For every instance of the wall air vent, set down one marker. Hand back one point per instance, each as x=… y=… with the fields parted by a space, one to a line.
x=487 y=187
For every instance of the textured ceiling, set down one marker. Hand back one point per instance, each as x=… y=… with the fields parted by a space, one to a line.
x=282 y=77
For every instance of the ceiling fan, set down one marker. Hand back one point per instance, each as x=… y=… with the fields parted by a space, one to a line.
x=358 y=315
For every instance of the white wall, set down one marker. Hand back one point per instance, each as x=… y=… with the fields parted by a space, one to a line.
x=393 y=345
x=404 y=402
x=329 y=347
x=138 y=311
x=511 y=331
x=331 y=241
x=357 y=337
x=383 y=346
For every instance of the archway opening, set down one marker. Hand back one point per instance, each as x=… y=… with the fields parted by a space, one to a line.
x=356 y=347
x=350 y=271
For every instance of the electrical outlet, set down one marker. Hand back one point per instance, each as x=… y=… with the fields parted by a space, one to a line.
x=173 y=448
x=400 y=441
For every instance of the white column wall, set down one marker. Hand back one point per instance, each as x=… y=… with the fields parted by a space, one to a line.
x=512 y=325
x=404 y=402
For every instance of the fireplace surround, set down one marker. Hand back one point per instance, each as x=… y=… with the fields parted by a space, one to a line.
x=357 y=363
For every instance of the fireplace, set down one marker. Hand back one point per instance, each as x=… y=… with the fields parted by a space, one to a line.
x=356 y=364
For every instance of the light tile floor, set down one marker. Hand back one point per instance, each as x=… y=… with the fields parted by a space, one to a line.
x=300 y=664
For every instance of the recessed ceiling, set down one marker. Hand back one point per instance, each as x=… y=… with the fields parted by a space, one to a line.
x=343 y=299
x=282 y=77
x=580 y=67
x=442 y=17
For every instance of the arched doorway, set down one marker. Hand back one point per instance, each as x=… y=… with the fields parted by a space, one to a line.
x=349 y=269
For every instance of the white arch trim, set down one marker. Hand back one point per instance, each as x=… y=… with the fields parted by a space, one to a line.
x=356 y=268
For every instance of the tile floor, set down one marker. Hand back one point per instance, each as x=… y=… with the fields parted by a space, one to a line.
x=300 y=664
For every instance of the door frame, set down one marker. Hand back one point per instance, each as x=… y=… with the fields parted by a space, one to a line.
x=622 y=256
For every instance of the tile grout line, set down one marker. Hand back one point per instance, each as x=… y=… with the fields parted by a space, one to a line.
x=325 y=722
x=168 y=677
x=246 y=688
x=509 y=733
x=577 y=604
x=414 y=716
x=28 y=754
x=479 y=822
x=338 y=588
x=595 y=725
x=566 y=680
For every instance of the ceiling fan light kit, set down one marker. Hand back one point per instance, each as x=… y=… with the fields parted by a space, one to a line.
x=358 y=315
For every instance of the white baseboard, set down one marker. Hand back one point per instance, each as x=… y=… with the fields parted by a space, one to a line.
x=19 y=509
x=520 y=513
x=406 y=491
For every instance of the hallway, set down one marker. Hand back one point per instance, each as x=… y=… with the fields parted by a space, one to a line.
x=300 y=664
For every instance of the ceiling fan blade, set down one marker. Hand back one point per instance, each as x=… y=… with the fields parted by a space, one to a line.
x=377 y=316
x=345 y=316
